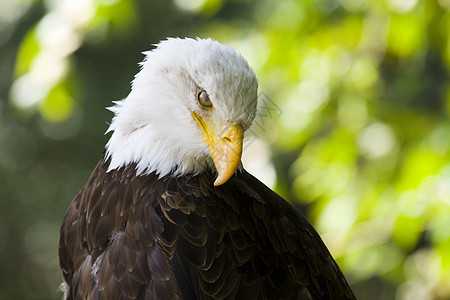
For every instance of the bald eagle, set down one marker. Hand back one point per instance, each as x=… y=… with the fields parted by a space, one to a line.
x=170 y=213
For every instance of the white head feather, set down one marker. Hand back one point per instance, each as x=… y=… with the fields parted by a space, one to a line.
x=154 y=126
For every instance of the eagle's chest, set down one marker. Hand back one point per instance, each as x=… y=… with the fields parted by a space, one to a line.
x=214 y=245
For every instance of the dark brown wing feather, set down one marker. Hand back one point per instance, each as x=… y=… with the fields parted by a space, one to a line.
x=140 y=237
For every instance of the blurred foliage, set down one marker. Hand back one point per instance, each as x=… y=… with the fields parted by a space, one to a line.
x=359 y=139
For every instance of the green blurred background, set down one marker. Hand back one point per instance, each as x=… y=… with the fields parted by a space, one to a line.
x=353 y=125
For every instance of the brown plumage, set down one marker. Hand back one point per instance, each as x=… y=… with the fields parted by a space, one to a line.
x=140 y=237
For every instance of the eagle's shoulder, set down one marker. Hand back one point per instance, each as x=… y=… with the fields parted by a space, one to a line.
x=108 y=239
x=298 y=248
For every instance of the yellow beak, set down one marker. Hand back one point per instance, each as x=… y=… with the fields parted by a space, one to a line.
x=226 y=150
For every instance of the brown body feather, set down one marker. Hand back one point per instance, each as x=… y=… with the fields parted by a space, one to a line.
x=140 y=237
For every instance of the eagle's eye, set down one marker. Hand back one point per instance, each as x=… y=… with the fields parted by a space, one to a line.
x=203 y=99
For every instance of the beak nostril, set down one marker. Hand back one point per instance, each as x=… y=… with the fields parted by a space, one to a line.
x=226 y=139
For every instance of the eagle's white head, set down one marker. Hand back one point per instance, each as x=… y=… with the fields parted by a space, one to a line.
x=188 y=109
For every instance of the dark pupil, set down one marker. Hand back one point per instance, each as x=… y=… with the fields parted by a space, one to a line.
x=204 y=96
